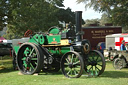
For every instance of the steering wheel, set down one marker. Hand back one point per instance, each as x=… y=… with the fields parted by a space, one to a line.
x=28 y=33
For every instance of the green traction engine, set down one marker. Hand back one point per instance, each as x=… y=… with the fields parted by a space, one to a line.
x=57 y=50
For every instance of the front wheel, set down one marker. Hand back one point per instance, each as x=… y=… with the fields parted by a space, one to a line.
x=72 y=65
x=94 y=63
x=29 y=58
x=119 y=63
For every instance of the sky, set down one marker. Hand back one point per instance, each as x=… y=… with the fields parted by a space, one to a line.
x=86 y=14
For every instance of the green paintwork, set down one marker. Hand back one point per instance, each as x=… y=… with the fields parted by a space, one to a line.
x=65 y=49
x=53 y=39
x=16 y=48
x=50 y=39
x=60 y=52
x=54 y=31
x=37 y=38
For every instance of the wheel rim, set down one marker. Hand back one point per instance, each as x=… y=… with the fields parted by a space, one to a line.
x=95 y=65
x=72 y=65
x=118 y=63
x=29 y=59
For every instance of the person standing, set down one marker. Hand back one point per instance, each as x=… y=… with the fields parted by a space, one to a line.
x=122 y=47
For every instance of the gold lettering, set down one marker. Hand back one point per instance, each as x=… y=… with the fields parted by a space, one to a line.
x=92 y=31
x=100 y=31
x=111 y=31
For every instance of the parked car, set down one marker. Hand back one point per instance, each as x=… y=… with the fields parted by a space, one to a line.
x=5 y=47
x=101 y=46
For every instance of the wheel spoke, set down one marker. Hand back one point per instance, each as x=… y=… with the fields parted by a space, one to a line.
x=97 y=58
x=25 y=53
x=24 y=58
x=99 y=61
x=31 y=65
x=90 y=68
x=76 y=63
x=25 y=65
x=34 y=55
x=67 y=61
x=72 y=59
x=92 y=71
x=78 y=66
x=68 y=72
x=66 y=64
x=99 y=65
x=97 y=68
x=93 y=57
x=89 y=60
x=76 y=59
x=31 y=52
x=33 y=58
x=36 y=63
x=75 y=72
x=96 y=72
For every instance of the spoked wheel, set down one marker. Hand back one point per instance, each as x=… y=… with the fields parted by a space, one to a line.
x=29 y=58
x=118 y=63
x=72 y=65
x=95 y=63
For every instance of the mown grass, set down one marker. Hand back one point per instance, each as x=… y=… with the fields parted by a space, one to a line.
x=110 y=77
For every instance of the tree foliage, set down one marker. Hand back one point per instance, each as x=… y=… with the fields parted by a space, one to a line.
x=3 y=13
x=105 y=19
x=89 y=22
x=116 y=9
x=31 y=14
x=36 y=15
x=66 y=15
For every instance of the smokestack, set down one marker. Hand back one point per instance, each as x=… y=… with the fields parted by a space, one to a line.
x=78 y=24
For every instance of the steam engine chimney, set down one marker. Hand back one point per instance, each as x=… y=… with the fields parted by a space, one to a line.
x=78 y=17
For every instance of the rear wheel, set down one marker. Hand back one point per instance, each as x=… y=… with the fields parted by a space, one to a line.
x=94 y=63
x=14 y=60
x=29 y=58
x=72 y=65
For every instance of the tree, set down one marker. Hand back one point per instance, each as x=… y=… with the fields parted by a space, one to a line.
x=3 y=13
x=66 y=15
x=31 y=14
x=40 y=15
x=105 y=19
x=34 y=15
x=92 y=21
x=117 y=9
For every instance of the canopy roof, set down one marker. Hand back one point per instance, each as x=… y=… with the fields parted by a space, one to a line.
x=118 y=35
x=1 y=39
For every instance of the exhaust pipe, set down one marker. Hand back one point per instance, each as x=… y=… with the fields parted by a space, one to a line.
x=78 y=16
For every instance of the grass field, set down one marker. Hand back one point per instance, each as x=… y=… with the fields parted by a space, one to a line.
x=110 y=77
